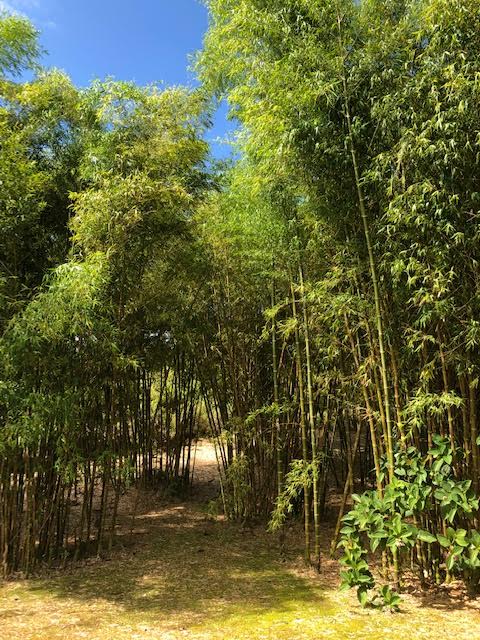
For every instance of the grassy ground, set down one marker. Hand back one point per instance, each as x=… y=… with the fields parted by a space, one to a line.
x=185 y=575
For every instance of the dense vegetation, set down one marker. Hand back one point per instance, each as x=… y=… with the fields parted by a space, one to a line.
x=314 y=305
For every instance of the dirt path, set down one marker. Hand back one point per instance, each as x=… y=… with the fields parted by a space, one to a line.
x=186 y=574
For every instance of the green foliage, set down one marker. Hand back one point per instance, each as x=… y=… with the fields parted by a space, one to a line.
x=362 y=115
x=389 y=599
x=19 y=47
x=238 y=488
x=99 y=263
x=327 y=278
x=421 y=485
x=296 y=480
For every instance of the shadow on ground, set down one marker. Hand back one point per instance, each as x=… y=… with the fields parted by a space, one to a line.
x=183 y=568
x=183 y=574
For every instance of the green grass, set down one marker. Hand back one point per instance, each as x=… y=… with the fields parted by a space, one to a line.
x=187 y=576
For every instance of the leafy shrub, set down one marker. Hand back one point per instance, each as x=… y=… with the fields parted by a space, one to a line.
x=424 y=489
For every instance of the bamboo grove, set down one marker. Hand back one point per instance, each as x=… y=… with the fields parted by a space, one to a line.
x=97 y=391
x=312 y=306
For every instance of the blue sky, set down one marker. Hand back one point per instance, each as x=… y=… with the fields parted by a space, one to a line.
x=143 y=40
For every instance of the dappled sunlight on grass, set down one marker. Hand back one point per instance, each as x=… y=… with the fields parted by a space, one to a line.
x=188 y=576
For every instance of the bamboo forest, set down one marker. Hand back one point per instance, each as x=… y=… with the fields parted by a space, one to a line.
x=240 y=395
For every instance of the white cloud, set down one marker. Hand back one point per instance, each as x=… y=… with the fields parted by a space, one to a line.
x=26 y=8
x=32 y=9
x=19 y=7
x=11 y=7
x=5 y=6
